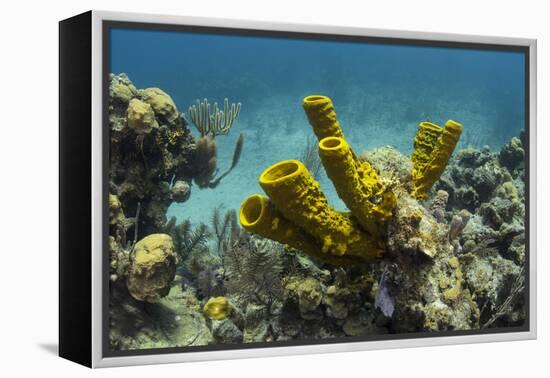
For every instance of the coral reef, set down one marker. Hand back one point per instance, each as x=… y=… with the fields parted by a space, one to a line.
x=153 y=156
x=217 y=123
x=153 y=161
x=151 y=148
x=423 y=248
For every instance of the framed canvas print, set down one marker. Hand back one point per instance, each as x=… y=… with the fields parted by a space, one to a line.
x=233 y=189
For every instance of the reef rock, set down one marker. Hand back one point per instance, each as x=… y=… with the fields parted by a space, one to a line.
x=116 y=214
x=436 y=298
x=119 y=261
x=438 y=205
x=336 y=300
x=489 y=277
x=472 y=178
x=121 y=89
x=256 y=325
x=307 y=292
x=389 y=163
x=362 y=323
x=413 y=229
x=225 y=331
x=512 y=154
x=152 y=268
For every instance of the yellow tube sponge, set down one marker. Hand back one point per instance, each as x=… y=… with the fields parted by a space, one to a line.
x=357 y=184
x=322 y=117
x=424 y=143
x=300 y=200
x=258 y=215
x=433 y=147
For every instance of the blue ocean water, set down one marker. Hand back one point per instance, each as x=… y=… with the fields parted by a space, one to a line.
x=380 y=92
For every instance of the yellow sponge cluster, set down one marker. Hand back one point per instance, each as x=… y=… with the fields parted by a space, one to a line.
x=433 y=147
x=297 y=212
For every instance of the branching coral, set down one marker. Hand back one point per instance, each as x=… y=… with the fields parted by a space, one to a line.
x=219 y=122
x=210 y=125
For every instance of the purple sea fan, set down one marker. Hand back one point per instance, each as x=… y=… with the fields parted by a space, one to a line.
x=383 y=299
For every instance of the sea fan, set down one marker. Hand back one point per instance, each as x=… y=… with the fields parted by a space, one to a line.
x=186 y=239
x=310 y=158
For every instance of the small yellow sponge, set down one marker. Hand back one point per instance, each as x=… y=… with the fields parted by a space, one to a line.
x=217 y=308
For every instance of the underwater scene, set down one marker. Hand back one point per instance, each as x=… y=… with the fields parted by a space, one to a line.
x=281 y=189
